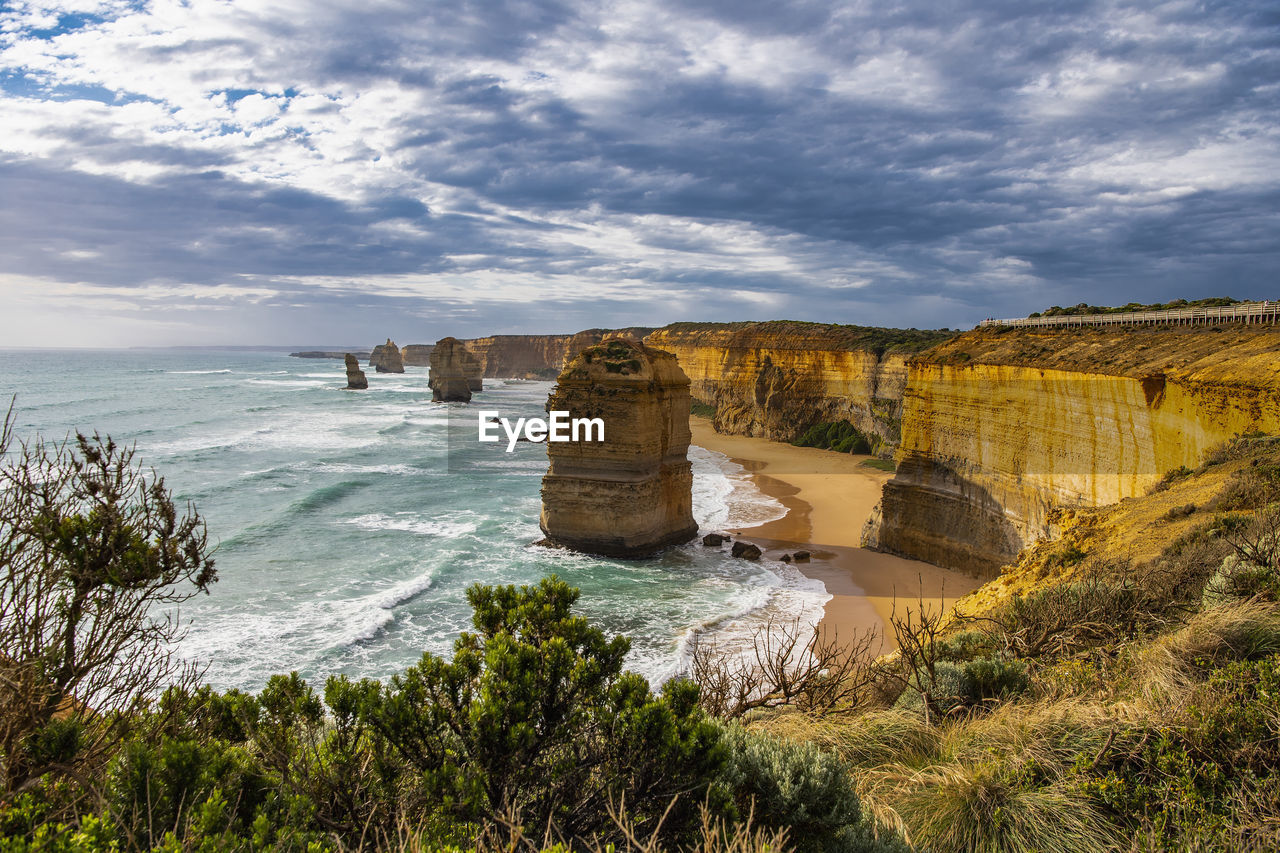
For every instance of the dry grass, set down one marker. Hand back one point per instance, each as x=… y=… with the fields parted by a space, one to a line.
x=1167 y=668
x=976 y=807
x=998 y=781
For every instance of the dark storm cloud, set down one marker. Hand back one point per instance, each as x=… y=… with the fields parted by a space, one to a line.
x=969 y=158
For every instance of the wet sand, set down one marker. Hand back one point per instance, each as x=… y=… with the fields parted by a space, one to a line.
x=828 y=497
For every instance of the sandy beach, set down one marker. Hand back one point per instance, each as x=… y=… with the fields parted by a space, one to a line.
x=828 y=497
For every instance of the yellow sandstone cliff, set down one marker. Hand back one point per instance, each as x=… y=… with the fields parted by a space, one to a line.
x=999 y=426
x=538 y=356
x=632 y=493
x=776 y=379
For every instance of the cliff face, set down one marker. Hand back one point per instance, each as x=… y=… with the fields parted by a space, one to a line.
x=356 y=380
x=385 y=358
x=776 y=379
x=416 y=355
x=632 y=493
x=999 y=426
x=538 y=356
x=455 y=372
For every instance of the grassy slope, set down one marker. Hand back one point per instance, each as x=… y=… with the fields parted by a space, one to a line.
x=1142 y=715
x=1220 y=353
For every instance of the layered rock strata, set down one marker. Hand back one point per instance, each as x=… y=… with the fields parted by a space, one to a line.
x=416 y=355
x=1000 y=426
x=356 y=380
x=539 y=356
x=455 y=372
x=338 y=354
x=386 y=358
x=776 y=379
x=632 y=493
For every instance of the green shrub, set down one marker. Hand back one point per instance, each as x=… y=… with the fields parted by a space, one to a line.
x=1239 y=579
x=183 y=785
x=966 y=645
x=702 y=410
x=1198 y=778
x=534 y=719
x=800 y=788
x=969 y=685
x=840 y=436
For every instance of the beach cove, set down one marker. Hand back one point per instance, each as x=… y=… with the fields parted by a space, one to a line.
x=828 y=497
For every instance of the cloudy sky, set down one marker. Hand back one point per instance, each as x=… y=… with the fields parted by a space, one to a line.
x=302 y=171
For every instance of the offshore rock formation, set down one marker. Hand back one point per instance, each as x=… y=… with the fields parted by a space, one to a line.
x=631 y=494
x=338 y=354
x=455 y=372
x=999 y=426
x=385 y=358
x=776 y=379
x=356 y=380
x=416 y=355
x=539 y=356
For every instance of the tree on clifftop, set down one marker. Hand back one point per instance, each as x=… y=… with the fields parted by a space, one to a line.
x=94 y=557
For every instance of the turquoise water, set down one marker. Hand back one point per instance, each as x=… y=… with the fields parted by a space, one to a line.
x=349 y=526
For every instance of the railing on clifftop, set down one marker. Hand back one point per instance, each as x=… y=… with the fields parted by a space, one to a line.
x=1245 y=312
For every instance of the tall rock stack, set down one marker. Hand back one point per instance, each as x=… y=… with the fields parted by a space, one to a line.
x=632 y=493
x=356 y=380
x=385 y=358
x=455 y=372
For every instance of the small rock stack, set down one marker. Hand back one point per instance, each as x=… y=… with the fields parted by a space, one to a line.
x=385 y=358
x=455 y=372
x=356 y=380
x=631 y=494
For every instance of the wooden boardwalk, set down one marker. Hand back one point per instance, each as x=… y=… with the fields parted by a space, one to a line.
x=1245 y=312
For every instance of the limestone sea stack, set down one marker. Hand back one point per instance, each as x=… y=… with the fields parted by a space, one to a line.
x=632 y=493
x=455 y=372
x=356 y=380
x=385 y=358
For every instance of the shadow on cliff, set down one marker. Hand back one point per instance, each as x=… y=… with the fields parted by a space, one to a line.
x=930 y=512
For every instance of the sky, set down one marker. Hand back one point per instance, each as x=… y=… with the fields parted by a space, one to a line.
x=308 y=171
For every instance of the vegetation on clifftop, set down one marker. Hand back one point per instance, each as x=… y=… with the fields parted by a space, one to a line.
x=806 y=335
x=1084 y=308
x=1231 y=352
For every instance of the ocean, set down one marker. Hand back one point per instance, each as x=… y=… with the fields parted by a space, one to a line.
x=348 y=525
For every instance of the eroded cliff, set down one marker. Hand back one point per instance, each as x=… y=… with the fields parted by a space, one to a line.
x=632 y=493
x=416 y=355
x=776 y=379
x=999 y=426
x=539 y=356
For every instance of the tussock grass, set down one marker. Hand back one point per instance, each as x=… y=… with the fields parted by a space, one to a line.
x=879 y=737
x=999 y=782
x=990 y=806
x=1167 y=668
